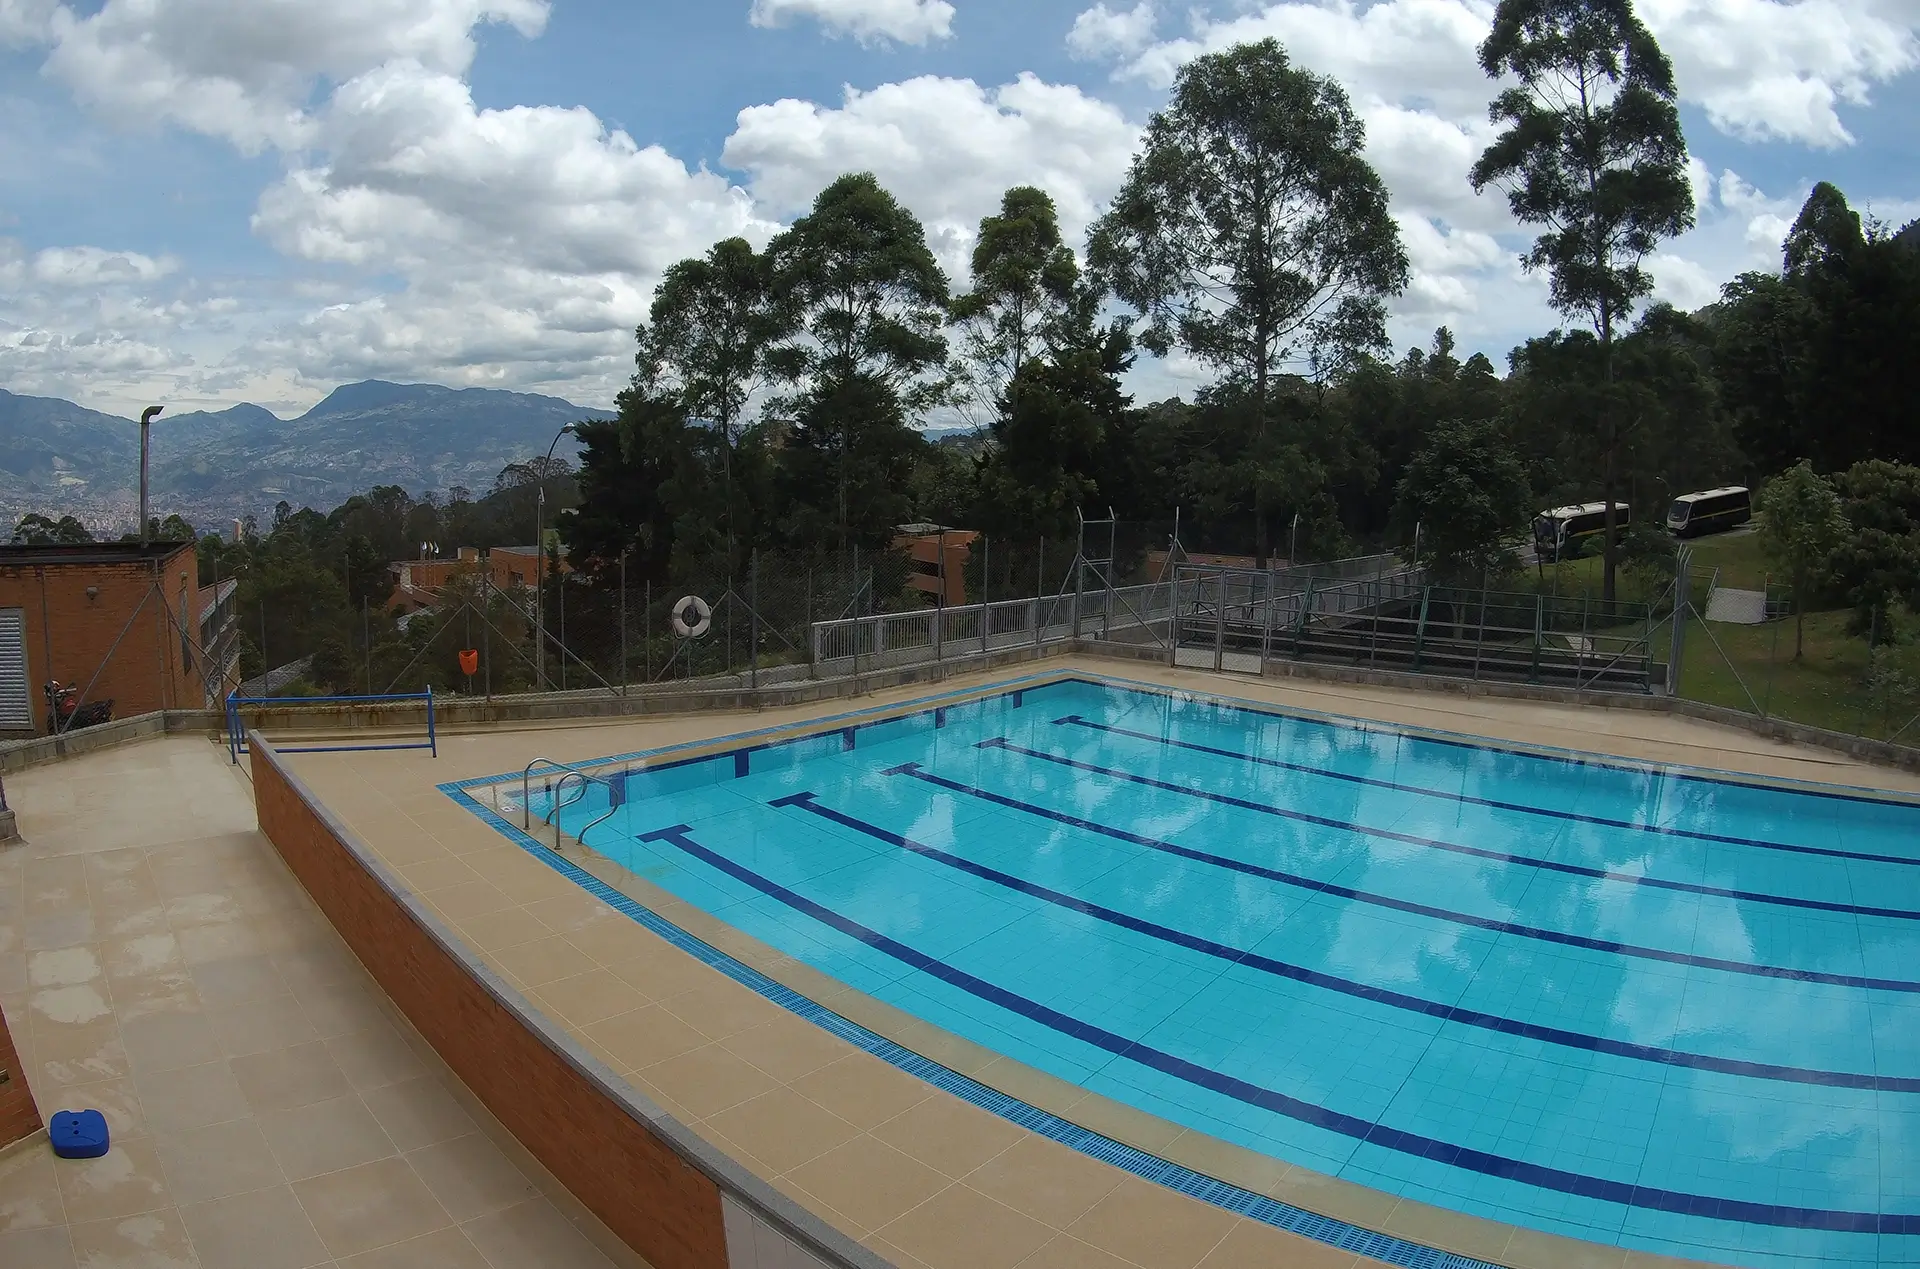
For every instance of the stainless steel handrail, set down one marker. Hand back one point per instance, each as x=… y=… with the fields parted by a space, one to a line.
x=526 y=783
x=560 y=803
x=612 y=806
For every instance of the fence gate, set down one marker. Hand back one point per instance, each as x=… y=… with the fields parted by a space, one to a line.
x=1223 y=618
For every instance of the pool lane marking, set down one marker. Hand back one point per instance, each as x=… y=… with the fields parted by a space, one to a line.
x=917 y=772
x=1076 y=720
x=809 y=801
x=1434 y=843
x=1351 y=1126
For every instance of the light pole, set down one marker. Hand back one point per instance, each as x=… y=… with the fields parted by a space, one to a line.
x=146 y=420
x=540 y=562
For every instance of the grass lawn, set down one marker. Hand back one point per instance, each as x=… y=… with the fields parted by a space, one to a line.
x=1736 y=555
x=1751 y=669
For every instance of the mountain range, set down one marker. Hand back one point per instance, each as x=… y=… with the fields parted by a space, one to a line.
x=60 y=458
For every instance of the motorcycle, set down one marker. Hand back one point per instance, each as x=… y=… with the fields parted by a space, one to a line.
x=64 y=712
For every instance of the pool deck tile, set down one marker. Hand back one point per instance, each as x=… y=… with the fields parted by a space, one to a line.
x=910 y=1170
x=166 y=968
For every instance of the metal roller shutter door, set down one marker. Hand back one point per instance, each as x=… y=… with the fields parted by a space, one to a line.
x=15 y=703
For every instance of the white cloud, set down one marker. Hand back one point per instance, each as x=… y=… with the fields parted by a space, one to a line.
x=247 y=72
x=95 y=266
x=1775 y=71
x=25 y=22
x=948 y=148
x=869 y=21
x=1101 y=32
x=1762 y=69
x=538 y=286
x=517 y=247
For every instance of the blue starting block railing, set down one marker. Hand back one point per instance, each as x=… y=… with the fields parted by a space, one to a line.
x=237 y=731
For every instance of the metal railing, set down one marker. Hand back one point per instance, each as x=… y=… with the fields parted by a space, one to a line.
x=237 y=732
x=885 y=640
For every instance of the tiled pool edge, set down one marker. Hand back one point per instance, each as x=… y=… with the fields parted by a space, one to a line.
x=1388 y=1248
x=805 y=1232
x=854 y=720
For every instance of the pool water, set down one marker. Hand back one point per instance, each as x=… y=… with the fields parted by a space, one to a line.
x=1633 y=1005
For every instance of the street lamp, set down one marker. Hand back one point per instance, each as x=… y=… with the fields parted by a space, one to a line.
x=540 y=560
x=146 y=419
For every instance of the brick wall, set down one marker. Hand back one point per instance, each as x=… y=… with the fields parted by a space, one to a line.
x=70 y=634
x=19 y=1117
x=635 y=1183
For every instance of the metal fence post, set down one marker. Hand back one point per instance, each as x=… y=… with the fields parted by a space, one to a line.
x=1306 y=612
x=623 y=623
x=1539 y=622
x=1078 y=570
x=813 y=636
x=986 y=591
x=1480 y=641
x=1220 y=621
x=753 y=619
x=1420 y=631
x=646 y=629
x=1678 y=644
x=1266 y=623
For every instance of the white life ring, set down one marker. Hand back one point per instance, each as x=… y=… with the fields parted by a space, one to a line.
x=691 y=617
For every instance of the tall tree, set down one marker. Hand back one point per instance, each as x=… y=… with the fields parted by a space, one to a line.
x=1800 y=525
x=1822 y=361
x=1252 y=232
x=1877 y=563
x=711 y=327
x=1055 y=440
x=1468 y=492
x=1592 y=151
x=863 y=304
x=1024 y=279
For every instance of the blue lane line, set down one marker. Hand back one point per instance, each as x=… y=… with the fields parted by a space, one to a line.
x=807 y=801
x=1351 y=1126
x=1434 y=843
x=1543 y=753
x=1075 y=720
x=915 y=770
x=1325 y=1229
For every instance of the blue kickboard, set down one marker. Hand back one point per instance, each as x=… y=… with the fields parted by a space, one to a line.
x=78 y=1134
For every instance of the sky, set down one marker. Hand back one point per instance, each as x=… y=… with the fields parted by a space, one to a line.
x=204 y=202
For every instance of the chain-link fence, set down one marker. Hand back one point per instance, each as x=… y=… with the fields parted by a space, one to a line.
x=768 y=618
x=1754 y=652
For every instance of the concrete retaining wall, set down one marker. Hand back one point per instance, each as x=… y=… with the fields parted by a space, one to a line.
x=657 y=1185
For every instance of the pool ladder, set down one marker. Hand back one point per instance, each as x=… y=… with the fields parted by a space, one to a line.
x=559 y=802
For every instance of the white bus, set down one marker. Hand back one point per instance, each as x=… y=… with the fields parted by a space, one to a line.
x=1563 y=533
x=1709 y=511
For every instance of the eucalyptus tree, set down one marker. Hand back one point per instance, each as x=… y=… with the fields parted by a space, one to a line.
x=863 y=306
x=1592 y=151
x=706 y=348
x=1252 y=232
x=1024 y=283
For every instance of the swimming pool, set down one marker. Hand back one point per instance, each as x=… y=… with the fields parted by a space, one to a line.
x=1638 y=1006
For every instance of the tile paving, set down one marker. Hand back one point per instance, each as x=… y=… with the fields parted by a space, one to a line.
x=158 y=962
x=290 y=1121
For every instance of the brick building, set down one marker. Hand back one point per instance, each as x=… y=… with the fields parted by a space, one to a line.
x=131 y=620
x=937 y=560
x=418 y=582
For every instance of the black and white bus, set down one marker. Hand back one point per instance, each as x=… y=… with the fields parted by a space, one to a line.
x=1563 y=533
x=1709 y=511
